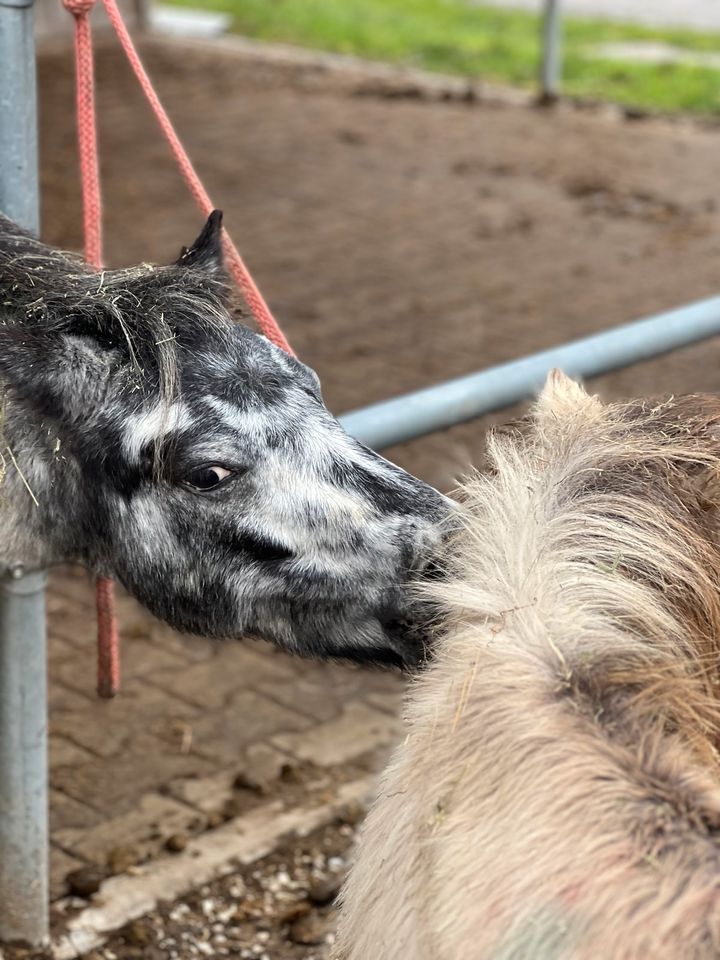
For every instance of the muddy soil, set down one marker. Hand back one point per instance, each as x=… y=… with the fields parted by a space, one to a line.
x=402 y=242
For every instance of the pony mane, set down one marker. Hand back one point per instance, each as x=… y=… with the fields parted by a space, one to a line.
x=147 y=312
x=590 y=547
x=145 y=315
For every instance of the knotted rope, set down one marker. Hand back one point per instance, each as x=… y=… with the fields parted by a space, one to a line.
x=108 y=641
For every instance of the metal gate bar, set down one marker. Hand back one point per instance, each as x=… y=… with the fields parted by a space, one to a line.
x=23 y=693
x=413 y=415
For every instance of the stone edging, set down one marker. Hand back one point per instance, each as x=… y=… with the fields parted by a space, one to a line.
x=207 y=857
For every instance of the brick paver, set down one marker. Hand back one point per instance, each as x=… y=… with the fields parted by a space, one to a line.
x=162 y=759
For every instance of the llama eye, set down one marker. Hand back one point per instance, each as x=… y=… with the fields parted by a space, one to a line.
x=207 y=478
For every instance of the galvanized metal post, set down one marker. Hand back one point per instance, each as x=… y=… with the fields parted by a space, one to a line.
x=551 y=65
x=23 y=761
x=23 y=661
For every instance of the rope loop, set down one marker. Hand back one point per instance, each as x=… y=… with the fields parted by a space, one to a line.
x=235 y=263
x=79 y=8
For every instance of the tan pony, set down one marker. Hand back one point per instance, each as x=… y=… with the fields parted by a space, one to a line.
x=558 y=793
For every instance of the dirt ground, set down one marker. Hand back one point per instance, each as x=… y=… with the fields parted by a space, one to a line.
x=280 y=908
x=401 y=241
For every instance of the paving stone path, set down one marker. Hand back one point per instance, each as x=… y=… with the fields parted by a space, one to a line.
x=192 y=719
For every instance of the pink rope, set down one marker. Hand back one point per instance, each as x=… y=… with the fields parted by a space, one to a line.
x=87 y=138
x=108 y=659
x=235 y=263
x=108 y=664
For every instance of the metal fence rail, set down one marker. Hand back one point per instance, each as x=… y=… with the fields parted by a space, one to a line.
x=414 y=414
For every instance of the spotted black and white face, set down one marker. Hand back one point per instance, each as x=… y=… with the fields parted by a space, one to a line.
x=270 y=519
x=214 y=483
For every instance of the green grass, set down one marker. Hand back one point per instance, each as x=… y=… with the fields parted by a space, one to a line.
x=455 y=36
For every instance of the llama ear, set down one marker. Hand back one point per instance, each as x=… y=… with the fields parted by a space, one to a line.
x=61 y=377
x=562 y=395
x=206 y=252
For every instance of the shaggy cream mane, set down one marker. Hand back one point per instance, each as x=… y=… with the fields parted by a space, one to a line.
x=558 y=795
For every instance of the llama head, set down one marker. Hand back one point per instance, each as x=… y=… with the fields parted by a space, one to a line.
x=197 y=463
